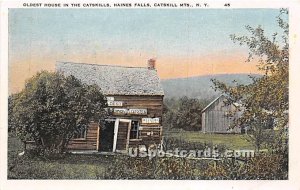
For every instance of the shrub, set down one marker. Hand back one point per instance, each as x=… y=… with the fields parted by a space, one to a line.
x=51 y=108
x=266 y=166
x=144 y=168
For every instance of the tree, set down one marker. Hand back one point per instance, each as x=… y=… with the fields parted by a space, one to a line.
x=266 y=97
x=51 y=108
x=184 y=113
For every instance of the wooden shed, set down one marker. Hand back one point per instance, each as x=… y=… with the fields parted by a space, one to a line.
x=135 y=103
x=216 y=119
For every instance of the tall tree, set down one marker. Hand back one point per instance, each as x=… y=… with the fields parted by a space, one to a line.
x=266 y=98
x=188 y=114
x=52 y=107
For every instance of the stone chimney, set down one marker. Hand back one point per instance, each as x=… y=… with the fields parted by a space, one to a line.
x=151 y=63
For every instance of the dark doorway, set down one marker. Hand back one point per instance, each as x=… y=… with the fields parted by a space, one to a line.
x=107 y=136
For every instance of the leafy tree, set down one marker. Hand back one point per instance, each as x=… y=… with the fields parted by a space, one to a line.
x=169 y=109
x=51 y=108
x=184 y=113
x=188 y=114
x=266 y=98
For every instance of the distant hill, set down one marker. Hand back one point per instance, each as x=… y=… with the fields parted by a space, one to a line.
x=200 y=87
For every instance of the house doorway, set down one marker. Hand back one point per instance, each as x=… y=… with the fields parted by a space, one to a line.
x=121 y=135
x=107 y=136
x=115 y=135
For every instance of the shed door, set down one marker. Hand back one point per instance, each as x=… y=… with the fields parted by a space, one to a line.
x=121 y=135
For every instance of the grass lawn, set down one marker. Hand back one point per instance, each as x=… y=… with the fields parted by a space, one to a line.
x=232 y=141
x=74 y=166
x=66 y=169
x=70 y=167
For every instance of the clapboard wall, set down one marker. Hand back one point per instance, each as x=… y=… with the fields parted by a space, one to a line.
x=90 y=142
x=148 y=133
x=215 y=118
x=153 y=104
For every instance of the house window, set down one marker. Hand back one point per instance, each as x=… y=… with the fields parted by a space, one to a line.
x=80 y=133
x=134 y=132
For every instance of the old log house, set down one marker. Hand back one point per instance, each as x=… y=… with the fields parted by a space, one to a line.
x=135 y=101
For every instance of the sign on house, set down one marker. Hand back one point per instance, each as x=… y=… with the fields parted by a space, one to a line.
x=121 y=111
x=150 y=120
x=110 y=98
x=115 y=103
x=137 y=111
x=112 y=103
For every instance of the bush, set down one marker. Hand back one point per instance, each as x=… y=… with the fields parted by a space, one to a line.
x=174 y=168
x=51 y=108
x=266 y=167
x=262 y=167
x=144 y=168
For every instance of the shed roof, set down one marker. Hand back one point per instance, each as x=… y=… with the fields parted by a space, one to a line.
x=211 y=103
x=115 y=80
x=221 y=96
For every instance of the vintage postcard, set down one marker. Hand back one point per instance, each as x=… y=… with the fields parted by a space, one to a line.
x=183 y=93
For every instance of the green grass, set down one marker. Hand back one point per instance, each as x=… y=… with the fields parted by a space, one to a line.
x=94 y=166
x=231 y=141
x=69 y=167
x=38 y=169
x=122 y=167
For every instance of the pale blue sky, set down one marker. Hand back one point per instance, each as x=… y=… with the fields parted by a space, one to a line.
x=158 y=31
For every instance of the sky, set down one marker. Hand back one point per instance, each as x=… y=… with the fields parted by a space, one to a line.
x=184 y=42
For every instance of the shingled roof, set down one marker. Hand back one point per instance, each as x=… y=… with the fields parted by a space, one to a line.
x=115 y=80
